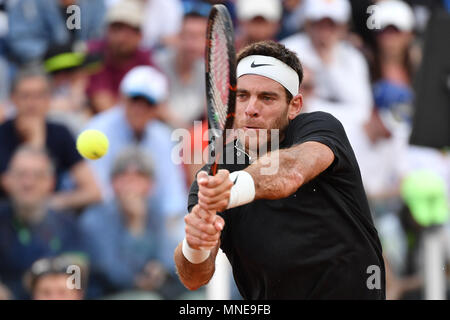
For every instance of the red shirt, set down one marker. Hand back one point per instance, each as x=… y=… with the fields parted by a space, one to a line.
x=110 y=74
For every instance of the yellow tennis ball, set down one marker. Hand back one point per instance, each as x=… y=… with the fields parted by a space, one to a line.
x=92 y=144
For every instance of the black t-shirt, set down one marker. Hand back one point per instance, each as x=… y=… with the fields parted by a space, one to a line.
x=59 y=143
x=318 y=243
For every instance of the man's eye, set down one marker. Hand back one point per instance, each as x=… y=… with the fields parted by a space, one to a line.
x=267 y=98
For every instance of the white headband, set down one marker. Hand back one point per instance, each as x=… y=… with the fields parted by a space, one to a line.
x=272 y=68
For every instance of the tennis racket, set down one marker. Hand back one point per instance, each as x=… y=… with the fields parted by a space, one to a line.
x=220 y=66
x=220 y=76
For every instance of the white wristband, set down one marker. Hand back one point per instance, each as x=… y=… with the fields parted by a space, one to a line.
x=243 y=191
x=194 y=256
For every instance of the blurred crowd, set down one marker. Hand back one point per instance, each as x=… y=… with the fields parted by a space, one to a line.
x=134 y=69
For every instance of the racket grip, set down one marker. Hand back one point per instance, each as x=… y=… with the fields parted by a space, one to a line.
x=210 y=219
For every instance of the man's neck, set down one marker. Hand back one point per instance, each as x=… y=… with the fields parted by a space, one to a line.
x=30 y=215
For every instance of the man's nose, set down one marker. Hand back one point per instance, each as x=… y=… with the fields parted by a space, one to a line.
x=251 y=110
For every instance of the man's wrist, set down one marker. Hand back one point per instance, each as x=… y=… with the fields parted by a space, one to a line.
x=194 y=256
x=243 y=190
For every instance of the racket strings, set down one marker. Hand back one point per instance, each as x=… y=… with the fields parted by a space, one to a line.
x=219 y=72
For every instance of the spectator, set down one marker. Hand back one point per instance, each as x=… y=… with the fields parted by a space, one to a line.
x=29 y=230
x=293 y=18
x=31 y=97
x=123 y=236
x=48 y=278
x=68 y=105
x=162 y=23
x=393 y=42
x=133 y=122
x=257 y=21
x=184 y=67
x=342 y=83
x=382 y=148
x=36 y=25
x=121 y=52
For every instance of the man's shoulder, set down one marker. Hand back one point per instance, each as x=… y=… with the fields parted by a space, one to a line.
x=306 y=117
x=7 y=127
x=56 y=128
x=315 y=125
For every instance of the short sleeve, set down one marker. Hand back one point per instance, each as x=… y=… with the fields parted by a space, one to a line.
x=322 y=127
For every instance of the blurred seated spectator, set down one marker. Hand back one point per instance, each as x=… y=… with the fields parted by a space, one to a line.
x=184 y=68
x=49 y=278
x=35 y=25
x=133 y=122
x=120 y=52
x=68 y=74
x=29 y=230
x=382 y=147
x=257 y=21
x=341 y=75
x=31 y=97
x=123 y=236
x=162 y=23
x=293 y=18
x=392 y=57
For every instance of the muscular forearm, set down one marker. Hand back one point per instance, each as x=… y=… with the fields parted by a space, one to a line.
x=193 y=276
x=291 y=168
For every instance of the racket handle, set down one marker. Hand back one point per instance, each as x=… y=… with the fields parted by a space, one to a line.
x=210 y=219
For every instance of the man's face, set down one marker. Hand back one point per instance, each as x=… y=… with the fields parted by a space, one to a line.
x=29 y=181
x=260 y=29
x=123 y=40
x=261 y=103
x=325 y=33
x=54 y=287
x=139 y=112
x=392 y=40
x=131 y=181
x=192 y=37
x=32 y=97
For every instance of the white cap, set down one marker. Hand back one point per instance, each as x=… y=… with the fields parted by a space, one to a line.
x=270 y=10
x=337 y=10
x=126 y=11
x=395 y=13
x=147 y=82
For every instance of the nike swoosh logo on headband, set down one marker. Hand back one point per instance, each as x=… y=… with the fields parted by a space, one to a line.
x=253 y=65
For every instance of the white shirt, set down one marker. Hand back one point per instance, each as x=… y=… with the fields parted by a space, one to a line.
x=342 y=87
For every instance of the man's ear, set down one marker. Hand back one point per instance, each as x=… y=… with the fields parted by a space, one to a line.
x=295 y=106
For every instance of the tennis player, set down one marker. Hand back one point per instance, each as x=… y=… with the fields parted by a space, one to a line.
x=305 y=230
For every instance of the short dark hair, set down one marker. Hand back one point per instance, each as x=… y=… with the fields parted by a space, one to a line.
x=277 y=50
x=30 y=71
